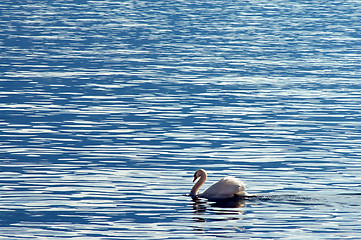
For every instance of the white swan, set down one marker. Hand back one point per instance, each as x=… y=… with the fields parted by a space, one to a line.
x=227 y=187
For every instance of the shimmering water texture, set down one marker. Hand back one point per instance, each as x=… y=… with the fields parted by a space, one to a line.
x=108 y=107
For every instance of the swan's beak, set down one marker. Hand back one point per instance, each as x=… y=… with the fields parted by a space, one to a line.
x=195 y=178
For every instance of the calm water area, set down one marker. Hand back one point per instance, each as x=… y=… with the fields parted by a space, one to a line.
x=107 y=108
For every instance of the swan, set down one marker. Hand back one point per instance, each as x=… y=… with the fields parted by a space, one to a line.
x=227 y=187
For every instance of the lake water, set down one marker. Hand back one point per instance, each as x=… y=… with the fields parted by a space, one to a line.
x=108 y=107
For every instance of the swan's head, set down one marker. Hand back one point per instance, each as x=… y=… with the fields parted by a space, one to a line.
x=199 y=173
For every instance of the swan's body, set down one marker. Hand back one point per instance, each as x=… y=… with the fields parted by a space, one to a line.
x=227 y=187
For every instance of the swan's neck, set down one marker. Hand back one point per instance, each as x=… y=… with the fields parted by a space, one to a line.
x=198 y=184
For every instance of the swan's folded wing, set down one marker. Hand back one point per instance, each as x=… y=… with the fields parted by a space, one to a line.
x=227 y=187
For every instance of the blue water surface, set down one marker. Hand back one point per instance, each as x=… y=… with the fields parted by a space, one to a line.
x=108 y=107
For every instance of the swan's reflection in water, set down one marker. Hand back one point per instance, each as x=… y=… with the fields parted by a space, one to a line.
x=222 y=210
x=220 y=219
x=233 y=203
